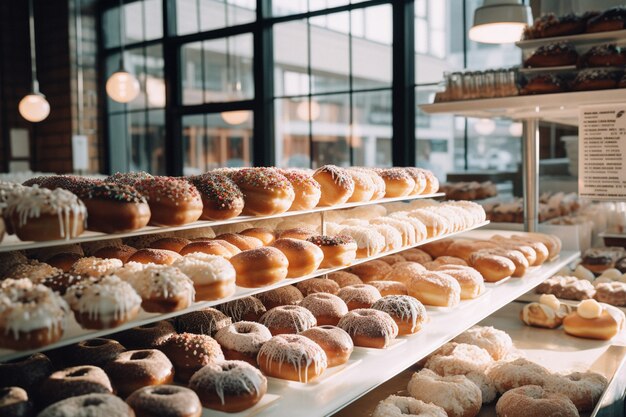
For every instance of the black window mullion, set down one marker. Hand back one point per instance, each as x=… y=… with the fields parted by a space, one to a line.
x=173 y=81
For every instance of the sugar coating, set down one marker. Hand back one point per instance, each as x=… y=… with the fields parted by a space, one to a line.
x=95 y=267
x=366 y=238
x=369 y=323
x=360 y=293
x=219 y=189
x=292 y=317
x=90 y=405
x=206 y=321
x=295 y=351
x=243 y=336
x=396 y=406
x=321 y=304
x=205 y=269
x=228 y=378
x=34 y=270
x=239 y=308
x=404 y=307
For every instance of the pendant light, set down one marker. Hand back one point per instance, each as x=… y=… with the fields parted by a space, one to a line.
x=122 y=86
x=33 y=107
x=235 y=117
x=500 y=21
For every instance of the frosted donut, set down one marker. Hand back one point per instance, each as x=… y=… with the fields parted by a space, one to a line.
x=584 y=389
x=221 y=198
x=148 y=336
x=103 y=303
x=375 y=270
x=265 y=235
x=326 y=308
x=359 y=296
x=456 y=394
x=336 y=185
x=338 y=250
x=398 y=183
x=547 y=313
x=27 y=372
x=336 y=343
x=242 y=242
x=213 y=276
x=128 y=177
x=432 y=183
x=302 y=233
x=211 y=247
x=605 y=325
x=14 y=402
x=405 y=272
x=343 y=278
x=9 y=260
x=206 y=321
x=31 y=315
x=163 y=288
x=265 y=191
x=243 y=340
x=408 y=313
x=71 y=382
x=190 y=352
x=154 y=256
x=260 y=267
x=393 y=259
x=165 y=401
x=416 y=255
x=389 y=287
x=61 y=282
x=172 y=201
x=534 y=400
x=435 y=289
x=243 y=309
x=396 y=406
x=123 y=252
x=364 y=187
x=421 y=232
x=494 y=341
x=307 y=190
x=369 y=328
x=95 y=267
x=89 y=405
x=317 y=285
x=436 y=224
x=135 y=369
x=34 y=270
x=369 y=242
x=393 y=238
x=303 y=257
x=288 y=319
x=379 y=184
x=492 y=267
x=406 y=230
x=96 y=352
x=419 y=177
x=287 y=295
x=292 y=357
x=229 y=386
x=520 y=372
x=174 y=244
x=471 y=282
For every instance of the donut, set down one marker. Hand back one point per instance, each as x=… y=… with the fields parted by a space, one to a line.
x=554 y=54
x=359 y=296
x=613 y=293
x=174 y=244
x=211 y=247
x=326 y=308
x=369 y=242
x=445 y=261
x=398 y=182
x=26 y=373
x=128 y=177
x=369 y=328
x=96 y=352
x=471 y=282
x=405 y=272
x=243 y=309
x=154 y=256
x=609 y=20
x=379 y=183
x=302 y=233
x=336 y=343
x=95 y=267
x=317 y=285
x=520 y=372
x=534 y=400
x=492 y=267
x=436 y=224
x=40 y=214
x=307 y=190
x=584 y=389
x=303 y=257
x=242 y=242
x=135 y=369
x=338 y=250
x=456 y=394
x=165 y=401
x=89 y=405
x=407 y=231
x=288 y=319
x=396 y=406
x=229 y=386
x=264 y=234
x=123 y=252
x=103 y=303
x=163 y=288
x=213 y=276
x=435 y=289
x=364 y=186
x=260 y=267
x=343 y=278
x=33 y=270
x=336 y=185
x=63 y=260
x=221 y=198
x=14 y=402
x=287 y=295
x=593 y=320
x=31 y=315
x=389 y=287
x=408 y=313
x=242 y=340
x=393 y=259
x=292 y=357
x=190 y=352
x=494 y=341
x=148 y=336
x=265 y=191
x=375 y=270
x=206 y=321
x=10 y=260
x=436 y=248
x=548 y=313
x=74 y=381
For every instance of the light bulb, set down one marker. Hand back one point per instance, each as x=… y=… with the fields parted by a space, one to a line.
x=303 y=111
x=504 y=32
x=34 y=107
x=236 y=117
x=155 y=88
x=516 y=129
x=122 y=87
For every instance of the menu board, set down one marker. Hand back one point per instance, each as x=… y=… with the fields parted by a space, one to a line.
x=602 y=152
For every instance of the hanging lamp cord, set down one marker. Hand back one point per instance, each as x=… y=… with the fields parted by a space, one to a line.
x=122 y=21
x=33 y=53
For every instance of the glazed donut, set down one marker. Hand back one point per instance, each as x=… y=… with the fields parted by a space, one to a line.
x=407 y=231
x=336 y=185
x=436 y=224
x=206 y=321
x=190 y=352
x=364 y=187
x=89 y=405
x=548 y=313
x=123 y=252
x=63 y=260
x=613 y=293
x=154 y=256
x=71 y=382
x=456 y=394
x=31 y=315
x=343 y=278
x=379 y=183
x=211 y=247
x=338 y=250
x=148 y=336
x=520 y=372
x=174 y=244
x=242 y=340
x=335 y=342
x=405 y=272
x=398 y=183
x=165 y=401
x=593 y=320
x=265 y=191
x=14 y=402
x=307 y=190
x=317 y=285
x=435 y=289
x=492 y=267
x=419 y=177
x=163 y=288
x=96 y=352
x=302 y=233
x=375 y=270
x=534 y=400
x=389 y=287
x=396 y=406
x=242 y=242
x=292 y=357
x=221 y=198
x=260 y=267
x=445 y=261
x=265 y=235
x=229 y=386
x=213 y=276
x=40 y=214
x=359 y=296
x=135 y=369
x=303 y=257
x=518 y=259
x=418 y=226
x=369 y=242
x=437 y=248
x=326 y=308
x=287 y=295
x=551 y=242
x=494 y=341
x=432 y=183
x=471 y=282
x=288 y=319
x=408 y=313
x=243 y=309
x=27 y=373
x=393 y=259
x=369 y=328
x=584 y=389
x=103 y=303
x=172 y=201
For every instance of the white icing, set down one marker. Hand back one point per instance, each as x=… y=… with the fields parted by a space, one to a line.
x=404 y=307
x=162 y=281
x=290 y=316
x=205 y=269
x=243 y=336
x=367 y=321
x=297 y=351
x=407 y=231
x=366 y=238
x=229 y=377
x=393 y=238
x=551 y=301
x=611 y=273
x=589 y=309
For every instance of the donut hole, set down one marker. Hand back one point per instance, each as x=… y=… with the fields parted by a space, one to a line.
x=163 y=391
x=78 y=373
x=95 y=402
x=95 y=342
x=142 y=354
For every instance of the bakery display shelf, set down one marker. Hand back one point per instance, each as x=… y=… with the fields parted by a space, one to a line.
x=536 y=70
x=532 y=297
x=378 y=366
x=558 y=107
x=74 y=333
x=583 y=38
x=12 y=243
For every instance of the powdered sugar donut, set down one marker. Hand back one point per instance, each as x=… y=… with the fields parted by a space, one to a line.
x=494 y=341
x=583 y=388
x=509 y=375
x=369 y=328
x=292 y=357
x=396 y=406
x=335 y=341
x=359 y=296
x=326 y=308
x=408 y=313
x=243 y=340
x=288 y=319
x=95 y=267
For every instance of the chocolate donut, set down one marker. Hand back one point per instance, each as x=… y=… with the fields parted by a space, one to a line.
x=165 y=401
x=148 y=336
x=72 y=382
